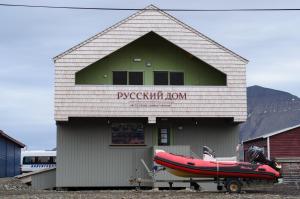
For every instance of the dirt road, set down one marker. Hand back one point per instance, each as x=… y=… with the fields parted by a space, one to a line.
x=11 y=188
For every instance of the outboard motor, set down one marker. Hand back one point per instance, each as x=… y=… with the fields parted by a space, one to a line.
x=208 y=154
x=256 y=155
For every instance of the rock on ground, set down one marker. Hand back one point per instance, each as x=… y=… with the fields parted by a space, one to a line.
x=12 y=184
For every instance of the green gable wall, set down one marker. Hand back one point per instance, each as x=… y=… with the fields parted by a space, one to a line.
x=163 y=56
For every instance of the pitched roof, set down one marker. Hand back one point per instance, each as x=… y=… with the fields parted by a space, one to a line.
x=24 y=175
x=12 y=139
x=150 y=7
x=274 y=133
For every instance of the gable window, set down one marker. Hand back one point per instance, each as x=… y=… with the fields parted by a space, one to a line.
x=168 y=78
x=176 y=78
x=119 y=77
x=127 y=78
x=161 y=78
x=135 y=78
x=127 y=134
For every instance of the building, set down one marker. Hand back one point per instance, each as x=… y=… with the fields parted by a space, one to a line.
x=278 y=144
x=10 y=155
x=283 y=146
x=148 y=81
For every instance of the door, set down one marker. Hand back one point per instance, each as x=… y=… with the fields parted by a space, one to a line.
x=164 y=136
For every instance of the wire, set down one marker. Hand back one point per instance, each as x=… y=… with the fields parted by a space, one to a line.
x=136 y=9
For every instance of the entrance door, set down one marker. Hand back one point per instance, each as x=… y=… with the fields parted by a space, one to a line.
x=163 y=136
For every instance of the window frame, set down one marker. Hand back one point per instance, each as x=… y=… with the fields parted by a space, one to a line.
x=165 y=71
x=182 y=77
x=37 y=159
x=159 y=138
x=127 y=76
x=119 y=71
x=134 y=71
x=115 y=144
x=169 y=77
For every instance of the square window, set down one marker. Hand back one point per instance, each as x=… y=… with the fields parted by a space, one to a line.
x=135 y=78
x=176 y=78
x=161 y=78
x=119 y=78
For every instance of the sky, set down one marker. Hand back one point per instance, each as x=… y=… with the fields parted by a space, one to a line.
x=30 y=38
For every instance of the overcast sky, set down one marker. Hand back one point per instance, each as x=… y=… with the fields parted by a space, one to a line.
x=30 y=38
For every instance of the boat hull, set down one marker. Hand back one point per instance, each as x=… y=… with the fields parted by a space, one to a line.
x=184 y=166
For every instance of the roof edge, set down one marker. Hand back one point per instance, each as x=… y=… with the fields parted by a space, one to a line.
x=202 y=35
x=280 y=131
x=25 y=175
x=151 y=7
x=104 y=31
x=273 y=133
x=12 y=139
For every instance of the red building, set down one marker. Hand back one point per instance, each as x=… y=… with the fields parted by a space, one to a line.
x=282 y=145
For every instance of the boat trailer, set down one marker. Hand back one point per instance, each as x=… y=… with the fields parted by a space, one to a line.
x=192 y=181
x=231 y=184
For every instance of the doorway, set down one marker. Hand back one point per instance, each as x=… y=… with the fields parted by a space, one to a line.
x=164 y=137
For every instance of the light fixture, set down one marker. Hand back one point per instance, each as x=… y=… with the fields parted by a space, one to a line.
x=148 y=64
x=137 y=59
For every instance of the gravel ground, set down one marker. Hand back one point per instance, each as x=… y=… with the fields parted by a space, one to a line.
x=11 y=188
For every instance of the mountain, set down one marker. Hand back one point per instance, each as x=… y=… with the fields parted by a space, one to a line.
x=269 y=110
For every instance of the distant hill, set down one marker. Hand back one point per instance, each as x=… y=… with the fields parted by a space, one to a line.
x=269 y=110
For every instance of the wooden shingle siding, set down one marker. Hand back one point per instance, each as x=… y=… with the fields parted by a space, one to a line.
x=202 y=101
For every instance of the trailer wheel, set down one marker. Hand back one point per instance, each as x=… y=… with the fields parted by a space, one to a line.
x=233 y=186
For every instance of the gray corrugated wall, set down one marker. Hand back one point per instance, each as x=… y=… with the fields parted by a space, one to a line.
x=85 y=159
x=44 y=180
x=222 y=138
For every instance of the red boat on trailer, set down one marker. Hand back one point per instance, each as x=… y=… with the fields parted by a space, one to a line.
x=231 y=172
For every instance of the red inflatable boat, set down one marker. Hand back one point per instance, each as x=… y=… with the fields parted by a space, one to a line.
x=185 y=166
